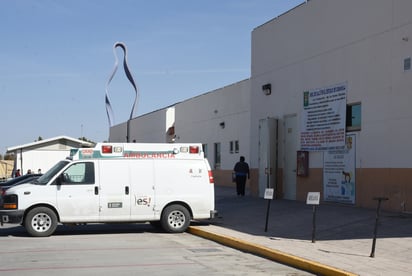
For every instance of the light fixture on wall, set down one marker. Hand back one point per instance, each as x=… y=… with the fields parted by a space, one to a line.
x=222 y=124
x=267 y=89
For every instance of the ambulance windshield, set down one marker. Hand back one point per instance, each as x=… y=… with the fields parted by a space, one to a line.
x=45 y=178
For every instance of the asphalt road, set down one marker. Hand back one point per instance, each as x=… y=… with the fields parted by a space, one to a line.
x=125 y=249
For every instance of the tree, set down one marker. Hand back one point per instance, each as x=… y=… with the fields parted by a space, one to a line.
x=87 y=140
x=9 y=156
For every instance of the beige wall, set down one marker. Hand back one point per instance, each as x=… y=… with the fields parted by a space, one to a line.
x=396 y=184
x=6 y=169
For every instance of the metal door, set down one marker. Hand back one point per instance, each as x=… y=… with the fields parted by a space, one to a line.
x=268 y=158
x=290 y=148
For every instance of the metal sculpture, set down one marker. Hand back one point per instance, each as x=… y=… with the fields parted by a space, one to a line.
x=129 y=76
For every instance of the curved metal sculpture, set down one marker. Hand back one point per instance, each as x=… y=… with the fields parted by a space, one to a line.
x=109 y=110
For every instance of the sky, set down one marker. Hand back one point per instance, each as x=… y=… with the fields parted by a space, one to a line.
x=56 y=57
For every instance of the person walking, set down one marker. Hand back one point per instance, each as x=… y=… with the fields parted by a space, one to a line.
x=241 y=170
x=17 y=174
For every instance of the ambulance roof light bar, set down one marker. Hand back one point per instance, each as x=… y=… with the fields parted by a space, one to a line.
x=190 y=149
x=107 y=149
x=193 y=149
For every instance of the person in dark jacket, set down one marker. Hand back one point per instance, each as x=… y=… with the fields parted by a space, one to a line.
x=241 y=170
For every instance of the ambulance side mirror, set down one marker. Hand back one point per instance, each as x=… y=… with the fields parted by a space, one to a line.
x=59 y=180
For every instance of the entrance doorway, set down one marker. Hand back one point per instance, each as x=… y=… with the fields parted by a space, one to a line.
x=268 y=154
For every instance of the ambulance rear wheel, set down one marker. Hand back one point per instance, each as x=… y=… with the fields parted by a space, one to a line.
x=40 y=222
x=175 y=219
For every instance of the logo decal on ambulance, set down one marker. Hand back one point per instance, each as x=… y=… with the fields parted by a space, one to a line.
x=149 y=154
x=195 y=172
x=142 y=200
x=86 y=153
x=114 y=205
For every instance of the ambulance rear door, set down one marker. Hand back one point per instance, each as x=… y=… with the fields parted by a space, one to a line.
x=184 y=181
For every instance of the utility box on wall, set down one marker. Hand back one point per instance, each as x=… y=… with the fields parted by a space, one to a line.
x=302 y=166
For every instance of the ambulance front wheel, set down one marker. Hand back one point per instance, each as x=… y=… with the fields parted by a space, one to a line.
x=175 y=219
x=40 y=222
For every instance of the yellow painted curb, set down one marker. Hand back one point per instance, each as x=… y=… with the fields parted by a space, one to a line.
x=269 y=253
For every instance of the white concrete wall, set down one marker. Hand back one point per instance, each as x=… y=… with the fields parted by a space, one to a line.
x=320 y=43
x=44 y=154
x=317 y=44
x=325 y=42
x=117 y=133
x=40 y=159
x=148 y=128
x=198 y=120
x=170 y=122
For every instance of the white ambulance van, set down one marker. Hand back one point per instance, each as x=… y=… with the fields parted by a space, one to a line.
x=165 y=184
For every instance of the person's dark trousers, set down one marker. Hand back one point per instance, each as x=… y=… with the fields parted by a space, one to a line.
x=240 y=184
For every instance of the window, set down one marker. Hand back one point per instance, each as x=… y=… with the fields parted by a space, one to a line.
x=407 y=64
x=217 y=156
x=204 y=147
x=353 y=117
x=79 y=173
x=234 y=146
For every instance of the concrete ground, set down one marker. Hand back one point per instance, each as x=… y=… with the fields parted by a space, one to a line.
x=343 y=236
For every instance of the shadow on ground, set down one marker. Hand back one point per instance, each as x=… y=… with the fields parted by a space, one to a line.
x=294 y=220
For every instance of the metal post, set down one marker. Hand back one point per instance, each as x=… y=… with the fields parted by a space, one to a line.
x=267 y=215
x=375 y=232
x=313 y=199
x=268 y=196
x=128 y=131
x=314 y=224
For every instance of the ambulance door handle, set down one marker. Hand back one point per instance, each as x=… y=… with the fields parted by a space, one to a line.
x=126 y=190
x=96 y=190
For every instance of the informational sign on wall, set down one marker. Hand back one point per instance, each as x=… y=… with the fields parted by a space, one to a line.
x=323 y=118
x=339 y=167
